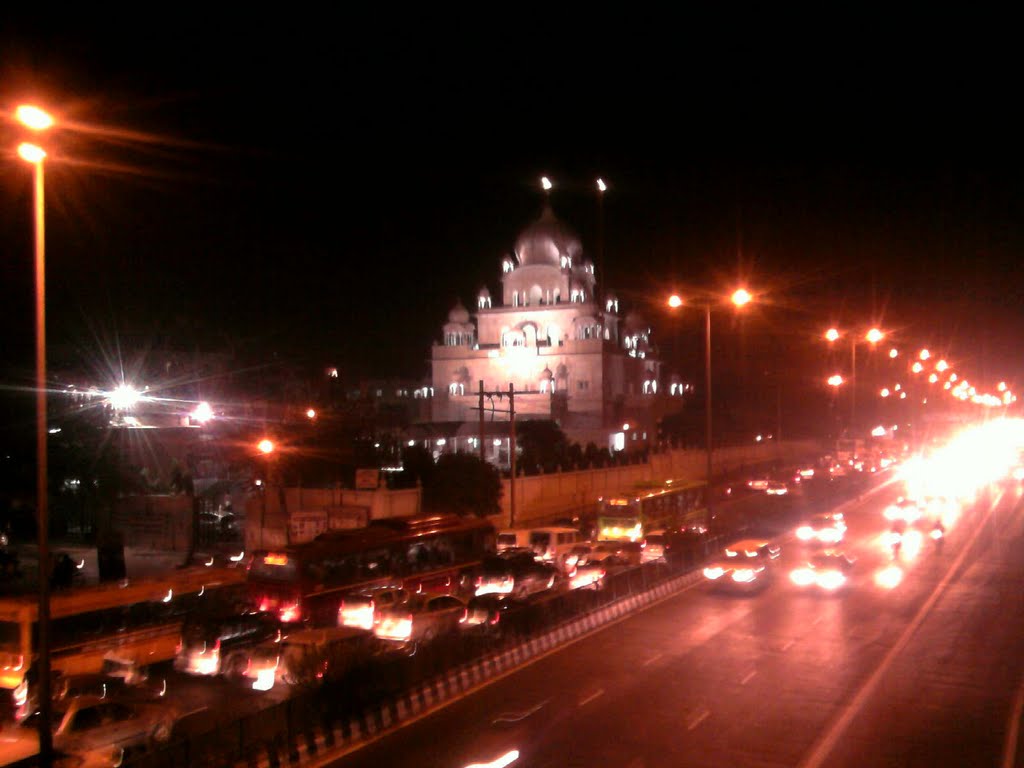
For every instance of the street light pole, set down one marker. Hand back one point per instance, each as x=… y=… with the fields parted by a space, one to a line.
x=38 y=120
x=707 y=409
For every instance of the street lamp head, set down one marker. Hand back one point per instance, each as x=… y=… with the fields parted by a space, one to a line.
x=885 y=392
x=545 y=183
x=894 y=353
x=741 y=297
x=941 y=366
x=31 y=153
x=266 y=446
x=835 y=380
x=917 y=367
x=832 y=334
x=874 y=336
x=33 y=117
x=675 y=301
x=925 y=354
x=311 y=414
x=601 y=186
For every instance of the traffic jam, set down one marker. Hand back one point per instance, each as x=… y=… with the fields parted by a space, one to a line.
x=395 y=592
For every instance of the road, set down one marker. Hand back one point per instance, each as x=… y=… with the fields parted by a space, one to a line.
x=927 y=673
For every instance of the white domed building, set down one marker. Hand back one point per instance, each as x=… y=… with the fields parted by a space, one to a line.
x=568 y=355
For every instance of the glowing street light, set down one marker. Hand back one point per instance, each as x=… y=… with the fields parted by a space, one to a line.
x=941 y=366
x=601 y=186
x=545 y=183
x=675 y=301
x=1002 y=386
x=874 y=336
x=33 y=117
x=835 y=380
x=741 y=297
x=885 y=392
x=832 y=334
x=894 y=353
x=311 y=414
x=124 y=397
x=933 y=378
x=924 y=354
x=202 y=413
x=917 y=367
x=265 y=446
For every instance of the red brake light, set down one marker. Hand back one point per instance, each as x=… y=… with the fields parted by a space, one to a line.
x=216 y=646
x=496 y=619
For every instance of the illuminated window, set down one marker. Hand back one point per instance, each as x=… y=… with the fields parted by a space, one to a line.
x=543 y=386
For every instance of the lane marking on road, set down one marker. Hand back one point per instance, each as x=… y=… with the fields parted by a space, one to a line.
x=653 y=659
x=515 y=717
x=1013 y=729
x=697 y=718
x=749 y=677
x=824 y=746
x=591 y=697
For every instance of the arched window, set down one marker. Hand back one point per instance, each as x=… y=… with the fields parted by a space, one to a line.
x=543 y=386
x=507 y=266
x=647 y=387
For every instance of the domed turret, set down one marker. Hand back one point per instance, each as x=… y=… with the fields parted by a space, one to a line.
x=458 y=314
x=548 y=242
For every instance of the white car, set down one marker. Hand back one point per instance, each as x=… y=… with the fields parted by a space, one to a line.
x=829 y=571
x=827 y=528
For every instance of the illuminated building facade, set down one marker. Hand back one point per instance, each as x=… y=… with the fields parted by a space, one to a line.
x=571 y=357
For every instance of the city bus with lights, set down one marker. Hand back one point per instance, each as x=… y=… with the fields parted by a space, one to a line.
x=307 y=583
x=120 y=628
x=671 y=505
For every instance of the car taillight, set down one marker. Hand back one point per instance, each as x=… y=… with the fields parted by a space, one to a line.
x=264 y=605
x=496 y=619
x=216 y=645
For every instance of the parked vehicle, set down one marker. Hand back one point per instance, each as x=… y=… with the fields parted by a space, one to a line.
x=421 y=620
x=515 y=573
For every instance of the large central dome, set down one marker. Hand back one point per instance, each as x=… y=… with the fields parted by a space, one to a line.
x=546 y=241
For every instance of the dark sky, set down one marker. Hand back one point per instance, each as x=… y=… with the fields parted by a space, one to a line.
x=326 y=187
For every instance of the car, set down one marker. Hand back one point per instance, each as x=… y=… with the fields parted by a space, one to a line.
x=828 y=571
x=219 y=645
x=497 y=616
x=776 y=488
x=588 y=574
x=907 y=510
x=655 y=547
x=421 y=620
x=360 y=609
x=87 y=723
x=758 y=483
x=826 y=528
x=743 y=565
x=515 y=573
x=616 y=552
x=306 y=656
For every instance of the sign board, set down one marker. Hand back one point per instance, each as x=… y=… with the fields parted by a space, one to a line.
x=348 y=517
x=306 y=526
x=367 y=479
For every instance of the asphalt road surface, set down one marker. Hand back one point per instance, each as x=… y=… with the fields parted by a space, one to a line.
x=926 y=673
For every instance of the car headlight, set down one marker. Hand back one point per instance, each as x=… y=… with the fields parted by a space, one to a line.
x=713 y=572
x=802 y=576
x=805 y=533
x=744 y=575
x=831 y=580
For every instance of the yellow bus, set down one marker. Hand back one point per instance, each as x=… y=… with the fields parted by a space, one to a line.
x=134 y=622
x=674 y=504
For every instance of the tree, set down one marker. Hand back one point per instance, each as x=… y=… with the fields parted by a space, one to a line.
x=542 y=445
x=463 y=484
x=417 y=466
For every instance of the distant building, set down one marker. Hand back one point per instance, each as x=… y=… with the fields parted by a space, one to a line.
x=572 y=357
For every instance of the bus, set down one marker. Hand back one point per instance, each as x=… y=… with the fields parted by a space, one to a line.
x=673 y=504
x=420 y=553
x=128 y=624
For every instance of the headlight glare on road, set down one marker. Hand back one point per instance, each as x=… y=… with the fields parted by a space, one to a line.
x=802 y=577
x=805 y=533
x=831 y=580
x=889 y=577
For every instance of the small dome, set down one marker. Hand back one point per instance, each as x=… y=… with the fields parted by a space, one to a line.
x=635 y=321
x=459 y=314
x=484 y=293
x=546 y=374
x=546 y=241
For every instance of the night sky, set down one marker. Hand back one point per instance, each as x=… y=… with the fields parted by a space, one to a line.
x=325 y=188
